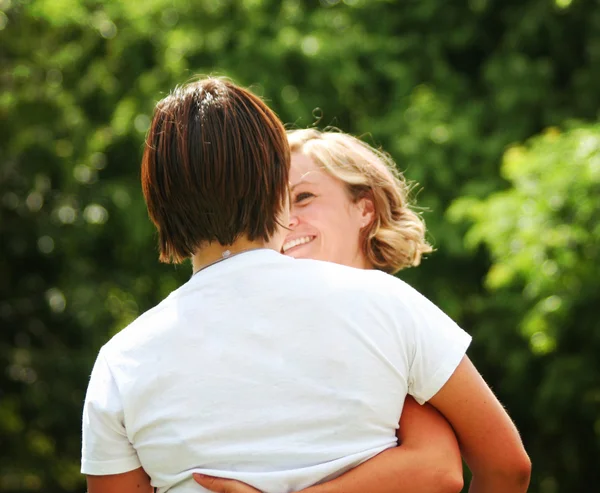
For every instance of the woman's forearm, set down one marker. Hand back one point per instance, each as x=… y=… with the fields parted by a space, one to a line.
x=400 y=469
x=498 y=484
x=428 y=459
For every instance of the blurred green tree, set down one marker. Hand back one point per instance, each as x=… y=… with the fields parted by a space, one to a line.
x=444 y=87
x=544 y=237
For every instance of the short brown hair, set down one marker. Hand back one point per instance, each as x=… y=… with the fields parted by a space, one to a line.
x=396 y=237
x=215 y=168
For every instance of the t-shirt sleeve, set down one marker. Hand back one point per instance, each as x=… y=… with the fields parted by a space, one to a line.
x=106 y=449
x=438 y=345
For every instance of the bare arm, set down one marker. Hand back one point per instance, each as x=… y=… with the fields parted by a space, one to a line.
x=428 y=461
x=488 y=438
x=136 y=481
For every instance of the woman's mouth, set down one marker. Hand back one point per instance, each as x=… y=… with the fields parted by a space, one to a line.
x=288 y=245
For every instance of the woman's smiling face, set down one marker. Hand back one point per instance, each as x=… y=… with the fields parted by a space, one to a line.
x=325 y=224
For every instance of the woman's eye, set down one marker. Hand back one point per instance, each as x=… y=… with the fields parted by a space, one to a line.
x=303 y=196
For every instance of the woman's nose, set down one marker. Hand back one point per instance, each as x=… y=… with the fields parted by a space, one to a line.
x=293 y=220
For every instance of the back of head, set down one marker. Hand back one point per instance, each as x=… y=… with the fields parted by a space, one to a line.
x=396 y=238
x=215 y=168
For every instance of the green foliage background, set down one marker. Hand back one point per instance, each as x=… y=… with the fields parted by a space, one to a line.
x=490 y=105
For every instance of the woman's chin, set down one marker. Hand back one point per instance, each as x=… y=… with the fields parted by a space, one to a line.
x=300 y=251
x=296 y=255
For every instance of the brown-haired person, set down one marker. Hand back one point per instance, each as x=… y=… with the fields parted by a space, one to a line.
x=274 y=371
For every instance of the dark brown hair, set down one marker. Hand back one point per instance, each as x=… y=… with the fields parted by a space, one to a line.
x=215 y=168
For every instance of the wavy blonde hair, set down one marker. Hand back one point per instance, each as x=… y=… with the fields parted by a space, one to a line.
x=395 y=239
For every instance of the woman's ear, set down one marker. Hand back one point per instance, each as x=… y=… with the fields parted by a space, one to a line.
x=366 y=210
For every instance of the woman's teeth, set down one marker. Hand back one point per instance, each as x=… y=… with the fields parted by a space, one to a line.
x=296 y=242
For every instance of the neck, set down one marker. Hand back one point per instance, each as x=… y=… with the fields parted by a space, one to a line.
x=360 y=262
x=213 y=252
x=363 y=264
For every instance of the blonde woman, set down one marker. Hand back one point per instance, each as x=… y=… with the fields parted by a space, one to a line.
x=350 y=205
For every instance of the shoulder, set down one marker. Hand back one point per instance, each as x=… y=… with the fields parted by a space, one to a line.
x=344 y=279
x=143 y=330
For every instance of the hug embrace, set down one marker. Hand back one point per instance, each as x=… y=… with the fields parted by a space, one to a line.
x=292 y=360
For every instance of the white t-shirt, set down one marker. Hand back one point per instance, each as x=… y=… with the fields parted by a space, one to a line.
x=278 y=372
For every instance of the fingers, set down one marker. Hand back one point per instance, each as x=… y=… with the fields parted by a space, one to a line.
x=221 y=485
x=211 y=483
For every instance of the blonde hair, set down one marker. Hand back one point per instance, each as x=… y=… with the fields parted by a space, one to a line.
x=395 y=239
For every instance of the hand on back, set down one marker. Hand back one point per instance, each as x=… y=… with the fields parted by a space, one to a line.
x=221 y=485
